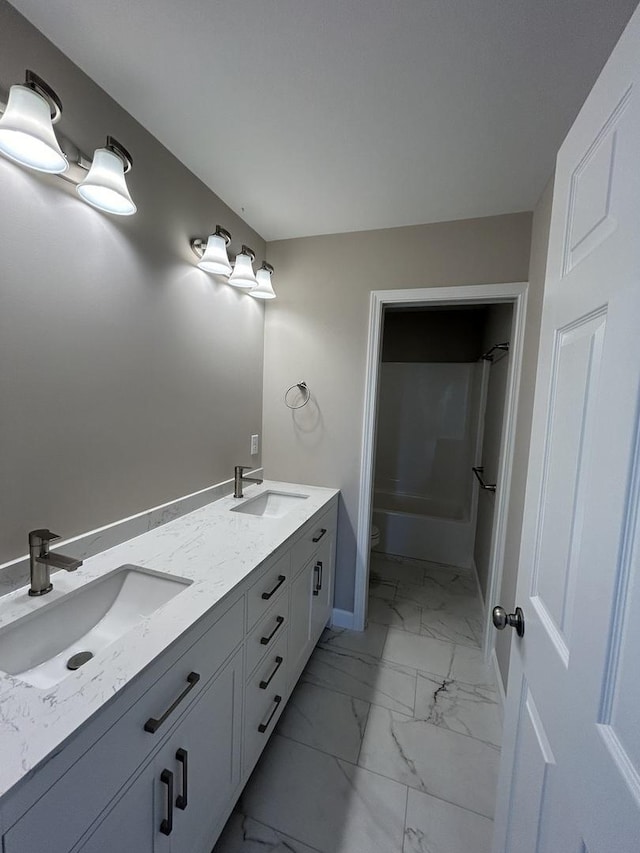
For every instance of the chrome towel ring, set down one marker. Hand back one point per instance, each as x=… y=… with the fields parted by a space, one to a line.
x=289 y=395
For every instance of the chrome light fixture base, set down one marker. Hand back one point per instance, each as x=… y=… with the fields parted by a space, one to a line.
x=118 y=148
x=35 y=82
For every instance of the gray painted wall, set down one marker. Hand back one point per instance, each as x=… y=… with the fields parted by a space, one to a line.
x=497 y=330
x=317 y=331
x=537 y=270
x=127 y=376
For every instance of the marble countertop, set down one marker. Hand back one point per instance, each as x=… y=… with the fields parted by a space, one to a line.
x=214 y=548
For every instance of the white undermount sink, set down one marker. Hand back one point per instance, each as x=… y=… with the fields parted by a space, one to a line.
x=43 y=647
x=271 y=504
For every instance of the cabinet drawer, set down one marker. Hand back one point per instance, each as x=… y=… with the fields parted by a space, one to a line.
x=313 y=534
x=266 y=683
x=268 y=630
x=273 y=581
x=67 y=810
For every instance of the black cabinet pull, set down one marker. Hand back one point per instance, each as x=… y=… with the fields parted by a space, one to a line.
x=166 y=826
x=281 y=580
x=181 y=800
x=320 y=535
x=264 y=726
x=265 y=640
x=316 y=582
x=265 y=684
x=153 y=723
x=320 y=575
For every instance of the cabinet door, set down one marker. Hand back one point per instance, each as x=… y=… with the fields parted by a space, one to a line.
x=204 y=757
x=322 y=592
x=129 y=824
x=300 y=643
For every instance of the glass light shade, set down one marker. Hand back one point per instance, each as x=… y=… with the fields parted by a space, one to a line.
x=26 y=132
x=264 y=290
x=243 y=275
x=214 y=259
x=105 y=186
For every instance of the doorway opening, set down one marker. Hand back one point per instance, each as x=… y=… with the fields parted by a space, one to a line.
x=434 y=412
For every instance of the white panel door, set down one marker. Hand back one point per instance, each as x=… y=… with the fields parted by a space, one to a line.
x=570 y=774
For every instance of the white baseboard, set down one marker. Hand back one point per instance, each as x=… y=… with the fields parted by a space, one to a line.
x=341 y=618
x=498 y=675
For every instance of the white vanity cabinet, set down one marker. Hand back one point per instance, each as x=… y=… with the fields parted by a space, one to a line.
x=159 y=769
x=180 y=797
x=312 y=560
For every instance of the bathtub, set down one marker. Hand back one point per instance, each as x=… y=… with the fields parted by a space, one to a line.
x=425 y=529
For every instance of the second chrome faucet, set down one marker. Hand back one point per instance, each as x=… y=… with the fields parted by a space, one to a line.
x=41 y=561
x=239 y=479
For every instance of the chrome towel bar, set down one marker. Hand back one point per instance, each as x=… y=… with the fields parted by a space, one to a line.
x=479 y=471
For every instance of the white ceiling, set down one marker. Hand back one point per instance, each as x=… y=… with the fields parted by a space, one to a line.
x=320 y=116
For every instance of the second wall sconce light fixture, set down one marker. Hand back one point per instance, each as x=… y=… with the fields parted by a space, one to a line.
x=26 y=127
x=213 y=258
x=27 y=137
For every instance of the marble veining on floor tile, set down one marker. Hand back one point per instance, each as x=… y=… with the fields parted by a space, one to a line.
x=450 y=627
x=381 y=588
x=242 y=834
x=399 y=614
x=379 y=682
x=327 y=803
x=443 y=763
x=369 y=642
x=459 y=707
x=435 y=826
x=330 y=721
x=427 y=654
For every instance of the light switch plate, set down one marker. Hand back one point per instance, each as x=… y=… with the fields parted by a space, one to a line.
x=254 y=445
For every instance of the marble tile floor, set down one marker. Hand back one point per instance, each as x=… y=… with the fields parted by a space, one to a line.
x=390 y=742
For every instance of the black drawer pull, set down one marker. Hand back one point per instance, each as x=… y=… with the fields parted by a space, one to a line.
x=166 y=825
x=320 y=535
x=264 y=726
x=265 y=684
x=316 y=578
x=265 y=640
x=183 y=757
x=267 y=595
x=153 y=724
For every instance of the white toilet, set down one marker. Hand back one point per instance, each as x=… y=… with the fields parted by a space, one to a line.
x=375 y=537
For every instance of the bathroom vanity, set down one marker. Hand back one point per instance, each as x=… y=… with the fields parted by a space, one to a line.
x=147 y=746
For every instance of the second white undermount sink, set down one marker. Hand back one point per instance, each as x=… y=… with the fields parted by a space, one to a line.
x=43 y=647
x=270 y=504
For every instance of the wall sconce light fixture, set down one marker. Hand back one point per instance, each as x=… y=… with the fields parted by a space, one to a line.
x=264 y=290
x=105 y=186
x=212 y=257
x=26 y=127
x=243 y=274
x=28 y=138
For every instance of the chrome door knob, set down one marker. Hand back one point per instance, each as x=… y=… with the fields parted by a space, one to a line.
x=515 y=620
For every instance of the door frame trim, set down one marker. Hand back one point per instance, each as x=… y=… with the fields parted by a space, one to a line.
x=512 y=292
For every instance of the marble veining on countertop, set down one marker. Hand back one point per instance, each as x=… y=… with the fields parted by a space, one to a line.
x=213 y=547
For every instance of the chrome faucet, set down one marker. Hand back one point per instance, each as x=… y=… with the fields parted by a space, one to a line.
x=41 y=561
x=239 y=479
